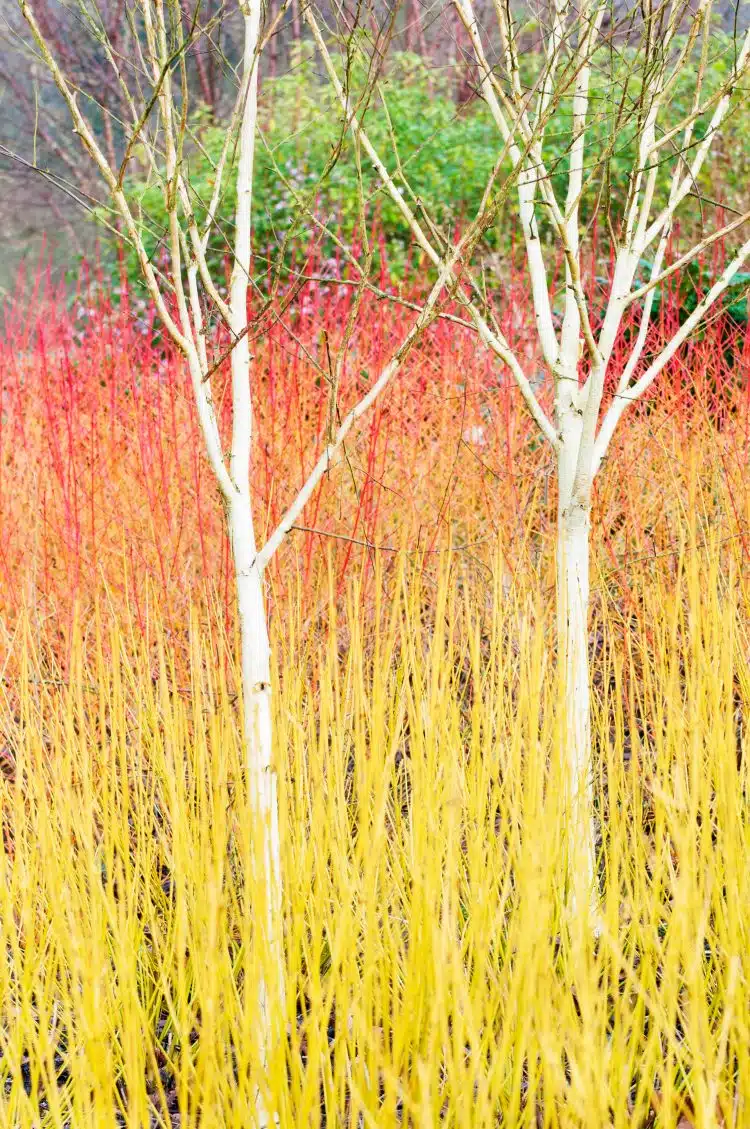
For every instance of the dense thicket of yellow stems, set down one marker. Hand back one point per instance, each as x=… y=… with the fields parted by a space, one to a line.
x=430 y=977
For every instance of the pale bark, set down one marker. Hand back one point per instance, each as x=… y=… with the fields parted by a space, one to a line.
x=573 y=528
x=256 y=680
x=255 y=664
x=253 y=625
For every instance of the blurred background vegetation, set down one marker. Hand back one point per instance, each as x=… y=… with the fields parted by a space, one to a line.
x=425 y=113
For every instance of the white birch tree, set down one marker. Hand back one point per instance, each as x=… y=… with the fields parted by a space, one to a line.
x=198 y=318
x=643 y=57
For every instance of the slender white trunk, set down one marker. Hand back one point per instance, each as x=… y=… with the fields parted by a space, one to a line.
x=572 y=631
x=256 y=696
x=254 y=643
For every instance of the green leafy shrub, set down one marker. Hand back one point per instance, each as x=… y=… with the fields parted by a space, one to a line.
x=445 y=152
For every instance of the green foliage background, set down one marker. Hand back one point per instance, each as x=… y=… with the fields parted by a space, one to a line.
x=445 y=151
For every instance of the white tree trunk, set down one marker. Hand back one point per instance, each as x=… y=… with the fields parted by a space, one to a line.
x=572 y=630
x=256 y=696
